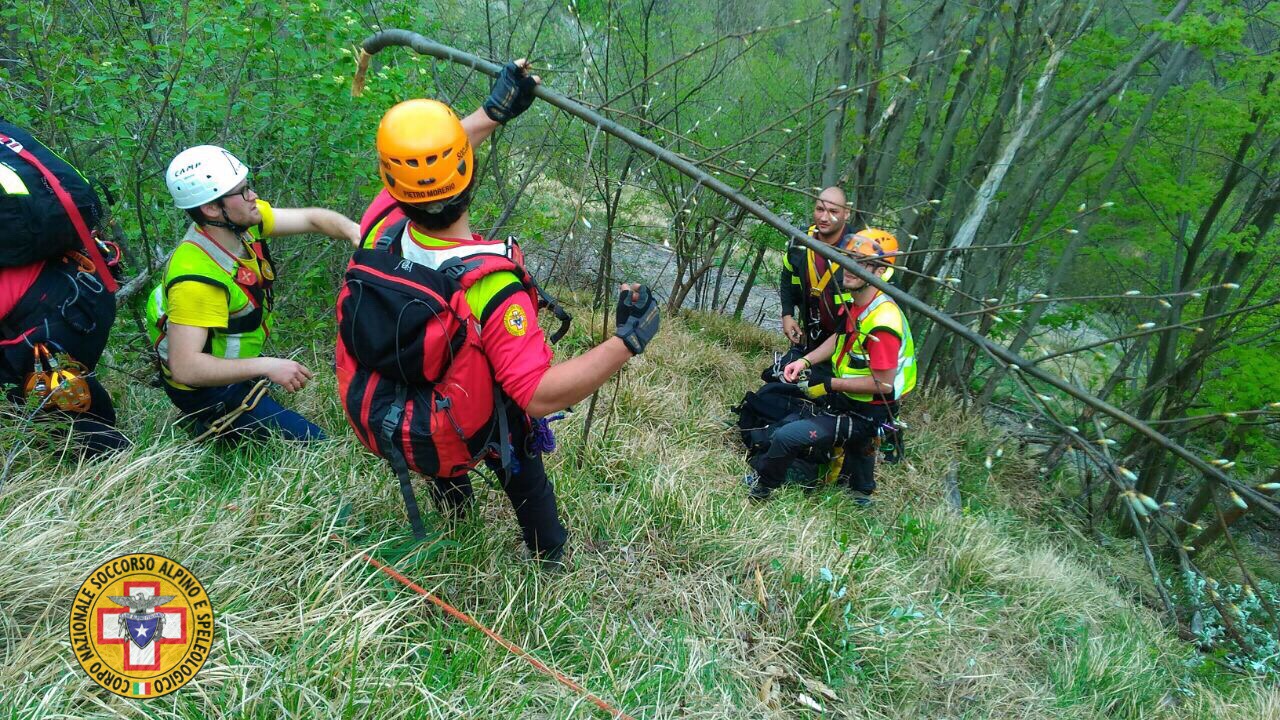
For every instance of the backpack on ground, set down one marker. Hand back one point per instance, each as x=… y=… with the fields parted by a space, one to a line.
x=43 y=199
x=412 y=376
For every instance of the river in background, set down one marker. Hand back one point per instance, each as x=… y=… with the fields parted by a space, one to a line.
x=655 y=266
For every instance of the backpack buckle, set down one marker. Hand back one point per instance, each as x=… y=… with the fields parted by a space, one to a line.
x=454 y=269
x=391 y=421
x=389 y=237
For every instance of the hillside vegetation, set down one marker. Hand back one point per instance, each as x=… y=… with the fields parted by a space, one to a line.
x=1093 y=186
x=681 y=599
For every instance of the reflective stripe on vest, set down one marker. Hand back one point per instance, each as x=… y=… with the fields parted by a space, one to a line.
x=852 y=359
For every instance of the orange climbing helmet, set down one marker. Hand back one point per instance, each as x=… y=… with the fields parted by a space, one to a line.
x=424 y=155
x=875 y=243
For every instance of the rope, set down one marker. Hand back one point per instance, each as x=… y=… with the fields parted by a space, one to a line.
x=388 y=38
x=250 y=401
x=511 y=647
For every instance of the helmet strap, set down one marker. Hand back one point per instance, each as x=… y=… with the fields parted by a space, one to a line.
x=225 y=222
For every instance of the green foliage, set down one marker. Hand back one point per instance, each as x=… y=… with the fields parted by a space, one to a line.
x=1211 y=34
x=1246 y=380
x=172 y=77
x=1248 y=640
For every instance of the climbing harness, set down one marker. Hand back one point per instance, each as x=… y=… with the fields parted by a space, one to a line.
x=818 y=284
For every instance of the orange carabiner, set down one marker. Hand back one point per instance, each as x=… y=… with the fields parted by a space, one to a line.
x=83 y=262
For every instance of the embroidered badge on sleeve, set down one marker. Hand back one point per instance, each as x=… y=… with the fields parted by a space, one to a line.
x=515 y=321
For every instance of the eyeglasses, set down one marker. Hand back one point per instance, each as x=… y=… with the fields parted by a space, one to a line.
x=242 y=192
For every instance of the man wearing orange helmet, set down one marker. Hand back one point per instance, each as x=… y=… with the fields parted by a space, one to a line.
x=426 y=162
x=873 y=359
x=211 y=314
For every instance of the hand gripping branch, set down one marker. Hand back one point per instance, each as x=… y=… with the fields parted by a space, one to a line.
x=389 y=38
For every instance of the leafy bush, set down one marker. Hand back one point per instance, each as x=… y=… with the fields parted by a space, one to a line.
x=1257 y=648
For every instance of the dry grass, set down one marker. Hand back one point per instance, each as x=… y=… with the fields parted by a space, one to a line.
x=681 y=601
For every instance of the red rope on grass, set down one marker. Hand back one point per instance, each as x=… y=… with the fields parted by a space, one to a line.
x=510 y=646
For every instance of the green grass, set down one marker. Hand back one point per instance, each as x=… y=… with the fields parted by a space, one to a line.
x=681 y=600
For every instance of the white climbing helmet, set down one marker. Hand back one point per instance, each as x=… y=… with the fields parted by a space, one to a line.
x=203 y=174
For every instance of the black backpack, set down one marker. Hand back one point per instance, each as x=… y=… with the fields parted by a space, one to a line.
x=761 y=413
x=34 y=223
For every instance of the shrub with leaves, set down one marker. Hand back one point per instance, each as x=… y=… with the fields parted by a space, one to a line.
x=1247 y=640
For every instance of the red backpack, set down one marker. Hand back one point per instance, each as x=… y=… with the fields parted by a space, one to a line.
x=412 y=376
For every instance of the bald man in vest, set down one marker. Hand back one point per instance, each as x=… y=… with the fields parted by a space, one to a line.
x=809 y=283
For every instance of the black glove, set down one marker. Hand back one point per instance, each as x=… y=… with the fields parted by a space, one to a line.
x=786 y=388
x=637 y=320
x=511 y=95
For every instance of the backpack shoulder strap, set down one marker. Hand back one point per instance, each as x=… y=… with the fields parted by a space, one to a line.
x=468 y=271
x=68 y=205
x=381 y=207
x=389 y=239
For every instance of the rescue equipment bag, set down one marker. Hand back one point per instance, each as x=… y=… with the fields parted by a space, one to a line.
x=47 y=207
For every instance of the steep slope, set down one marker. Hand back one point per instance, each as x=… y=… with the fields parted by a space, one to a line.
x=681 y=601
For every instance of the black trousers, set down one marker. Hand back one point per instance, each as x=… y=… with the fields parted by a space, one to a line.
x=816 y=435
x=525 y=483
x=70 y=312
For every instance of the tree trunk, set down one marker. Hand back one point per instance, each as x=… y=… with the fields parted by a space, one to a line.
x=1062 y=266
x=833 y=126
x=751 y=281
x=897 y=117
x=991 y=185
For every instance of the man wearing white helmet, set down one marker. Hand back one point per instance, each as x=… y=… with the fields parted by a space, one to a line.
x=211 y=314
